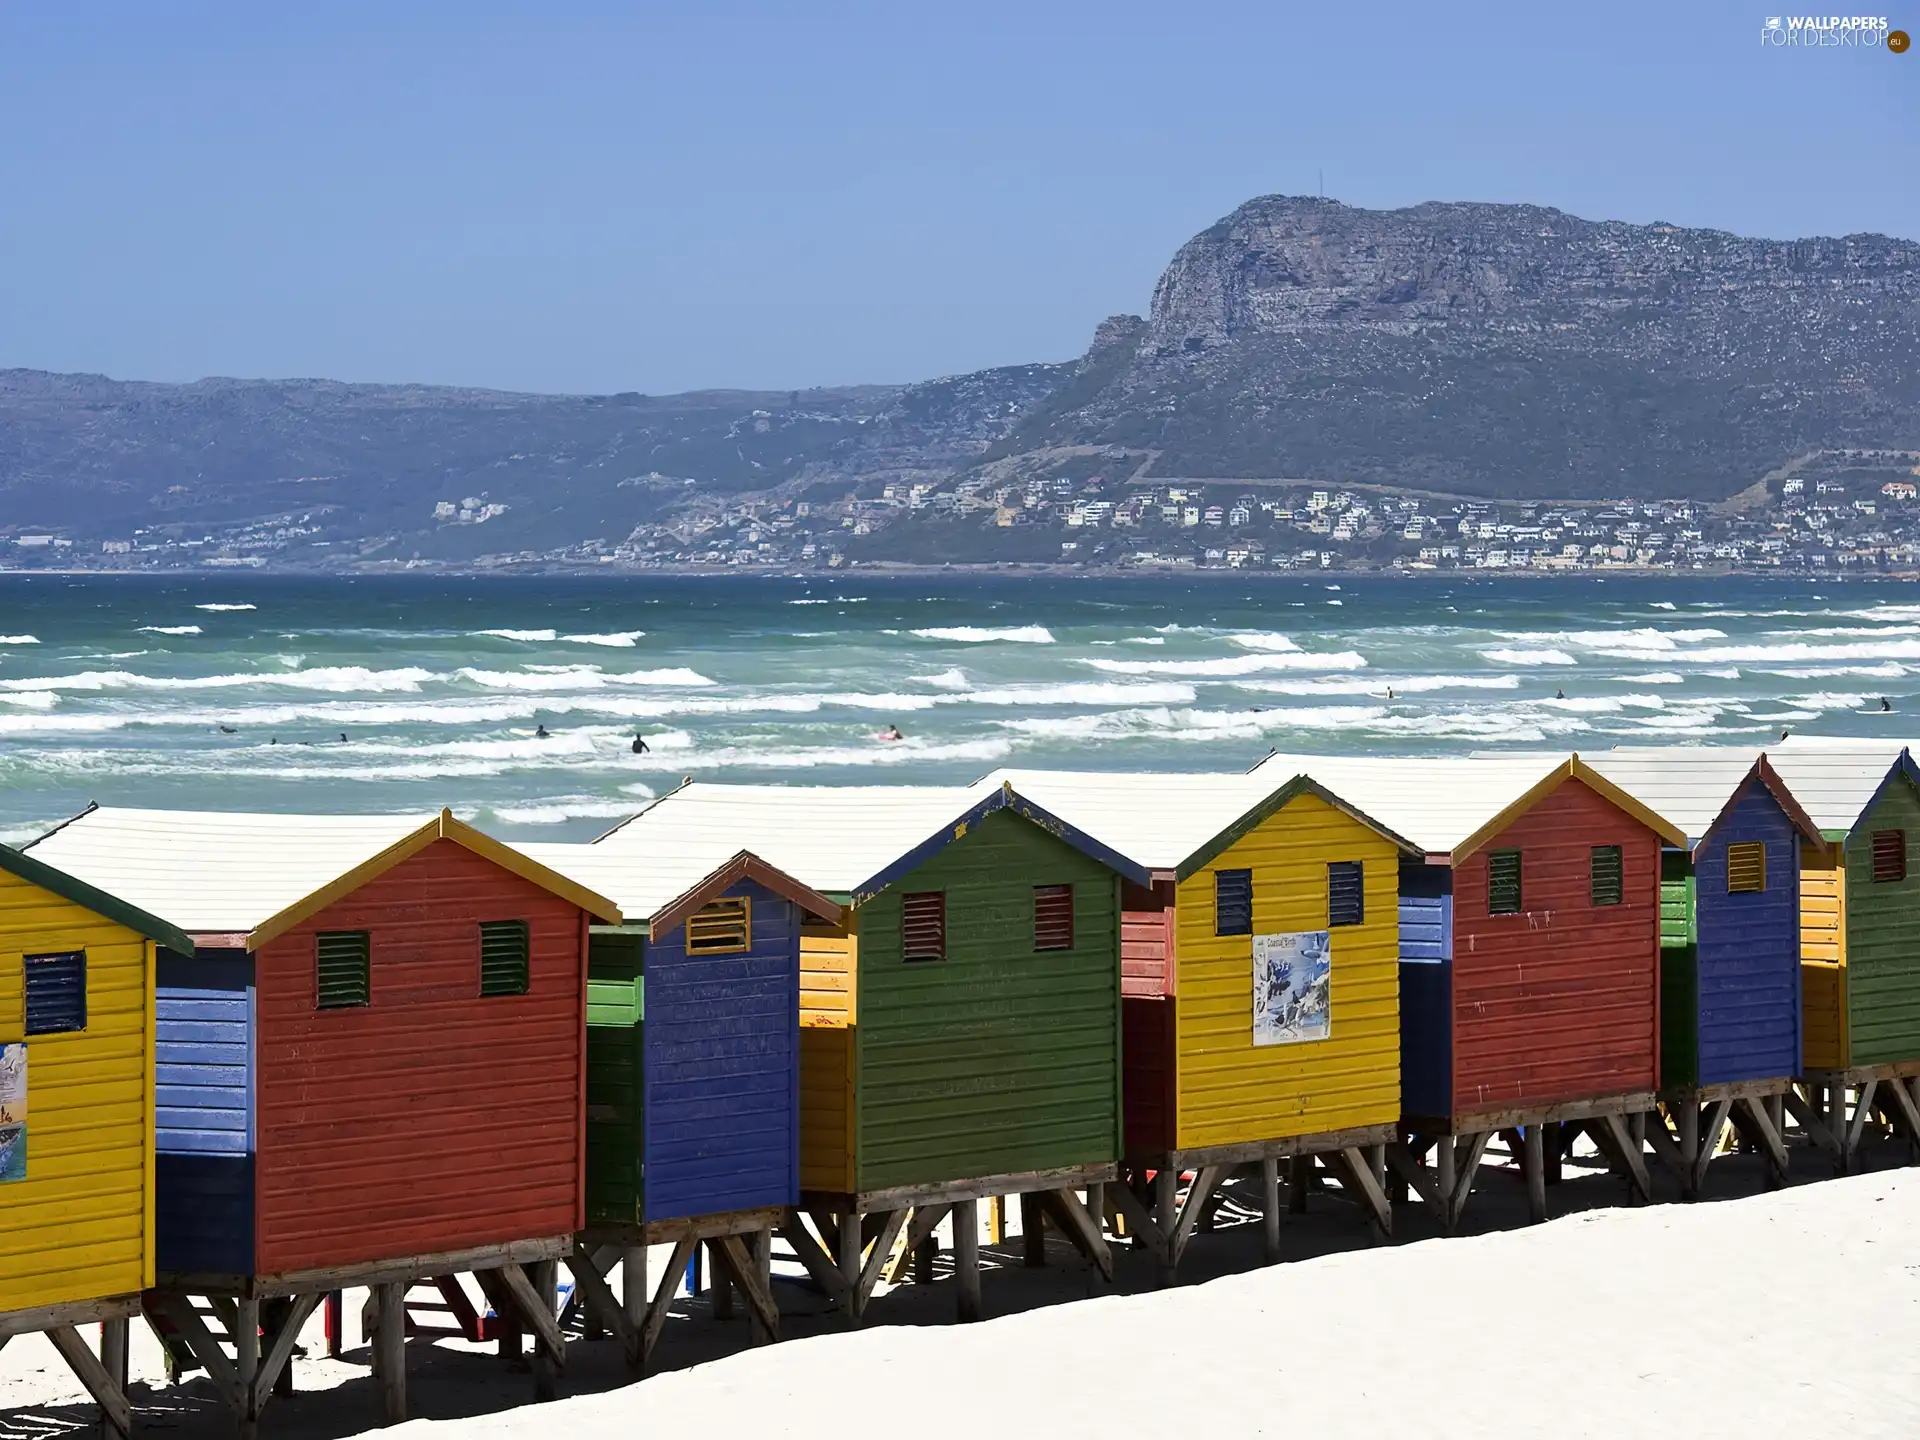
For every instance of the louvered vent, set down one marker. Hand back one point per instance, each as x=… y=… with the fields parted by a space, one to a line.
x=505 y=950
x=720 y=926
x=1053 y=917
x=1346 y=893
x=343 y=963
x=923 y=924
x=56 y=992
x=1233 y=902
x=1503 y=882
x=1605 y=875
x=1746 y=867
x=1889 y=856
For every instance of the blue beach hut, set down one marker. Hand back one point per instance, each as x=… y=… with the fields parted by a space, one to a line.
x=1730 y=940
x=693 y=1075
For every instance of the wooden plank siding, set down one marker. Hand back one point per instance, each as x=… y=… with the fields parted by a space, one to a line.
x=79 y=1227
x=1230 y=1091
x=616 y=1110
x=721 y=1067
x=997 y=1059
x=829 y=966
x=1882 y=980
x=1146 y=938
x=1746 y=951
x=432 y=1119
x=1559 y=1002
x=203 y=1124
x=1426 y=988
x=1823 y=958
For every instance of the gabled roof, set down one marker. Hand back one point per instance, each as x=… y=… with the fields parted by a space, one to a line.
x=1451 y=806
x=1838 y=782
x=851 y=840
x=661 y=887
x=69 y=887
x=1696 y=786
x=250 y=878
x=1169 y=822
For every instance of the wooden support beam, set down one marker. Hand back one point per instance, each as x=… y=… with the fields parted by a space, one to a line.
x=926 y=1219
x=87 y=1369
x=390 y=1348
x=1466 y=1154
x=1709 y=1142
x=1205 y=1181
x=1533 y=1168
x=1755 y=1118
x=1862 y=1108
x=663 y=1297
x=1355 y=1174
x=1446 y=1177
x=1140 y=1221
x=1404 y=1161
x=1811 y=1124
x=1299 y=1182
x=826 y=1227
x=634 y=1296
x=278 y=1358
x=819 y=1264
x=1665 y=1147
x=1624 y=1150
x=760 y=1251
x=966 y=1258
x=720 y=1286
x=1270 y=1210
x=894 y=1222
x=731 y=1254
x=1033 y=1234
x=598 y=1299
x=1079 y=1227
x=114 y=1349
x=186 y=1323
x=534 y=1297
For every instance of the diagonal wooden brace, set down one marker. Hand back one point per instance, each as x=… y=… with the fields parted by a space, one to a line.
x=1140 y=1222
x=1079 y=1227
x=88 y=1370
x=280 y=1352
x=819 y=1264
x=733 y=1258
x=600 y=1301
x=545 y=1326
x=178 y=1312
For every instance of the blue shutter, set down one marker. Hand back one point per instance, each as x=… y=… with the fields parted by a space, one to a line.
x=56 y=992
x=1233 y=902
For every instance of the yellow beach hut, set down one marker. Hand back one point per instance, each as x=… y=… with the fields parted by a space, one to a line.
x=76 y=1116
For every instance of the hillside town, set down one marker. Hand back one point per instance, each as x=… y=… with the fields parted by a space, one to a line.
x=1829 y=512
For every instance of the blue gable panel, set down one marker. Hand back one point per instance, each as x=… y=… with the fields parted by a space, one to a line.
x=1749 y=949
x=721 y=1048
x=1426 y=989
x=203 y=1123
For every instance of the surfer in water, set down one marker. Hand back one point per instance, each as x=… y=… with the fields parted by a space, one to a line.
x=1559 y=694
x=228 y=730
x=1886 y=706
x=540 y=733
x=1389 y=692
x=892 y=732
x=639 y=744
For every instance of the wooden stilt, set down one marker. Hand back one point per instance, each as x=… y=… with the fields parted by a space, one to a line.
x=849 y=1255
x=246 y=1364
x=663 y=1297
x=821 y=1266
x=720 y=1287
x=760 y=1253
x=335 y=1324
x=1556 y=1150
x=966 y=1258
x=1533 y=1166
x=633 y=1297
x=1689 y=1142
x=390 y=1347
x=115 y=1414
x=1299 y=1182
x=1270 y=1209
x=1445 y=1180
x=1033 y=1237
x=891 y=1224
x=113 y=1360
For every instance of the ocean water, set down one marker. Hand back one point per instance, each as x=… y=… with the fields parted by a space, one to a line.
x=235 y=691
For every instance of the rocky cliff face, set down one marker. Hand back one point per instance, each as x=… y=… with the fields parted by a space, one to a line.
x=1500 y=349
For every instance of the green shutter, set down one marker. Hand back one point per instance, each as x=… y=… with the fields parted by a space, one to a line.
x=1676 y=899
x=616 y=1124
x=343 y=961
x=1606 y=875
x=1503 y=882
x=504 y=945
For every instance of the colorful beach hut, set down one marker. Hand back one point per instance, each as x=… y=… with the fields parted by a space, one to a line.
x=1729 y=948
x=369 y=1073
x=693 y=1074
x=1260 y=987
x=1529 y=950
x=76 y=1117
x=1860 y=940
x=960 y=1025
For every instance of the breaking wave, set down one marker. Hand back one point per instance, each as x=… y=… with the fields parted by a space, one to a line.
x=980 y=635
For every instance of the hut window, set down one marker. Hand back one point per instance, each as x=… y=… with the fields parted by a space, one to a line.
x=721 y=927
x=56 y=992
x=343 y=962
x=505 y=946
x=1346 y=893
x=1746 y=867
x=1605 y=875
x=1233 y=902
x=1053 y=917
x=923 y=925
x=1503 y=882
x=1889 y=856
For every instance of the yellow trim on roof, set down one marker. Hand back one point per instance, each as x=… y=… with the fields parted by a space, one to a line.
x=444 y=827
x=1573 y=768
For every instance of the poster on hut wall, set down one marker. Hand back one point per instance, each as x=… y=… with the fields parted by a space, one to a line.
x=13 y=1112
x=1292 y=988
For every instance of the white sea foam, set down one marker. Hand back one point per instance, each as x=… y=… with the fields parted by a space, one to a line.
x=531 y=635
x=981 y=635
x=1528 y=657
x=564 y=808
x=1662 y=605
x=1263 y=640
x=809 y=602
x=30 y=699
x=619 y=639
x=1376 y=684
x=19 y=640
x=1891 y=670
x=60 y=724
x=344 y=679
x=171 y=629
x=1088 y=693
x=899 y=752
x=1234 y=665
x=1657 y=677
x=955 y=679
x=1146 y=640
x=217 y=608
x=581 y=677
x=1786 y=651
x=1831 y=631
x=1644 y=638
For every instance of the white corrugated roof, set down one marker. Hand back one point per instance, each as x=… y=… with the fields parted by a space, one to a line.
x=641 y=879
x=830 y=837
x=1436 y=803
x=213 y=871
x=1834 y=780
x=1688 y=784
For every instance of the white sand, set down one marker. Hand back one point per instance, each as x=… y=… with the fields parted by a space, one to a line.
x=1789 y=1314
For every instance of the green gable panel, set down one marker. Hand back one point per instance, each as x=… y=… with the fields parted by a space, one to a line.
x=615 y=1113
x=1883 y=936
x=999 y=1058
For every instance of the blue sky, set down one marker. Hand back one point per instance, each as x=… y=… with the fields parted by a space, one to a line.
x=658 y=197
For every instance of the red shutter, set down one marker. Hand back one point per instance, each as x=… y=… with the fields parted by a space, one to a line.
x=923 y=922
x=1053 y=917
x=1889 y=856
